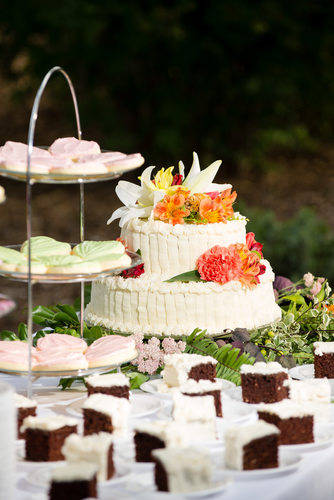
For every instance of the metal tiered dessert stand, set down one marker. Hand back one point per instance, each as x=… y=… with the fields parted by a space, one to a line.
x=31 y=178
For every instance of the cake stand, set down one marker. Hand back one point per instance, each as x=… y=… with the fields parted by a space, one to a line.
x=31 y=178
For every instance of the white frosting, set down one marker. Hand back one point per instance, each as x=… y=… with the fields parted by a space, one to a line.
x=169 y=250
x=93 y=449
x=150 y=306
x=187 y=469
x=74 y=472
x=192 y=386
x=237 y=437
x=312 y=390
x=108 y=380
x=48 y=423
x=173 y=434
x=262 y=368
x=193 y=408
x=178 y=366
x=117 y=409
x=285 y=409
x=24 y=402
x=321 y=348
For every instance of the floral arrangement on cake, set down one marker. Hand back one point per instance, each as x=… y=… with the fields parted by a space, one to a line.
x=176 y=199
x=237 y=262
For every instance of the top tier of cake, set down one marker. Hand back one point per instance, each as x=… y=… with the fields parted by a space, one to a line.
x=169 y=250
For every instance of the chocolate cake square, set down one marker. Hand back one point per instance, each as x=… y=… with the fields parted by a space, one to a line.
x=112 y=384
x=45 y=437
x=73 y=481
x=323 y=359
x=263 y=382
x=253 y=446
x=294 y=422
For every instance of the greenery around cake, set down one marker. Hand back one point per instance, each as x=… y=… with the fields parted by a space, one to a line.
x=307 y=316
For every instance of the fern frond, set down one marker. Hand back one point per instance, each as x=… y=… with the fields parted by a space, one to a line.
x=229 y=359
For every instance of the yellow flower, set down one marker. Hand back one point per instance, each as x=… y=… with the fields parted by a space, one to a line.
x=163 y=180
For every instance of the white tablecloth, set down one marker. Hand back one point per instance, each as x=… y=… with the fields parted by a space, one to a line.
x=313 y=479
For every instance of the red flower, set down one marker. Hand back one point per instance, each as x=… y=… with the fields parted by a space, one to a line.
x=134 y=272
x=253 y=245
x=177 y=180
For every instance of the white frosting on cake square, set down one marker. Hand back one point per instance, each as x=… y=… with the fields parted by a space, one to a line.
x=262 y=368
x=187 y=469
x=237 y=437
x=108 y=380
x=48 y=423
x=79 y=471
x=118 y=409
x=321 y=348
x=92 y=449
x=285 y=409
x=178 y=366
x=24 y=402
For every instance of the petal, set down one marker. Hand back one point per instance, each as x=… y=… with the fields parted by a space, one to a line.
x=204 y=179
x=181 y=168
x=219 y=187
x=135 y=212
x=128 y=192
x=117 y=214
x=145 y=177
x=193 y=172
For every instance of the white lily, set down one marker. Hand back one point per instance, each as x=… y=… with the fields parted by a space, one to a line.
x=139 y=201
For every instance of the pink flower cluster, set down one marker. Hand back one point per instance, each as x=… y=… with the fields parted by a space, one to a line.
x=151 y=354
x=313 y=283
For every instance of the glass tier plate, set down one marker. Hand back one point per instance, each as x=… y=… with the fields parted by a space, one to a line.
x=67 y=373
x=66 y=277
x=54 y=178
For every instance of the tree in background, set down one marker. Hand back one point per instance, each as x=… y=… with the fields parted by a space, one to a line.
x=234 y=79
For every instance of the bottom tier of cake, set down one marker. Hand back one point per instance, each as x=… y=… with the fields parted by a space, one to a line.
x=152 y=307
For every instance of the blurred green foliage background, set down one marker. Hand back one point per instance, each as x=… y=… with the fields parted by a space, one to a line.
x=249 y=82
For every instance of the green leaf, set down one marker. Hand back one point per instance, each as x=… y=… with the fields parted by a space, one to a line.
x=22 y=331
x=296 y=298
x=66 y=383
x=8 y=335
x=186 y=277
x=69 y=311
x=228 y=357
x=137 y=379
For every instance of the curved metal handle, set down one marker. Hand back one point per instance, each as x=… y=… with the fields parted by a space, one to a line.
x=31 y=134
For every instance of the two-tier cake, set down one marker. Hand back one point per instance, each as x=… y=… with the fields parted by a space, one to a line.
x=201 y=269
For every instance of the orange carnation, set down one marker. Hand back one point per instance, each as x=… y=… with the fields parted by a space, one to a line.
x=220 y=264
x=233 y=263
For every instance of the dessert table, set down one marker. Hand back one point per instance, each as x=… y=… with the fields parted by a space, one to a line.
x=311 y=478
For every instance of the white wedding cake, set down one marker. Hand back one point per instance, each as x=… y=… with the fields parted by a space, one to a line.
x=184 y=225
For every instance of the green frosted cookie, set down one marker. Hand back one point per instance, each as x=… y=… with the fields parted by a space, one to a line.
x=99 y=250
x=11 y=256
x=45 y=246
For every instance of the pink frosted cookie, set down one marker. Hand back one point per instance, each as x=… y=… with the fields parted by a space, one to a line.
x=14 y=355
x=18 y=151
x=129 y=161
x=70 y=147
x=109 y=350
x=15 y=347
x=56 y=359
x=62 y=342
